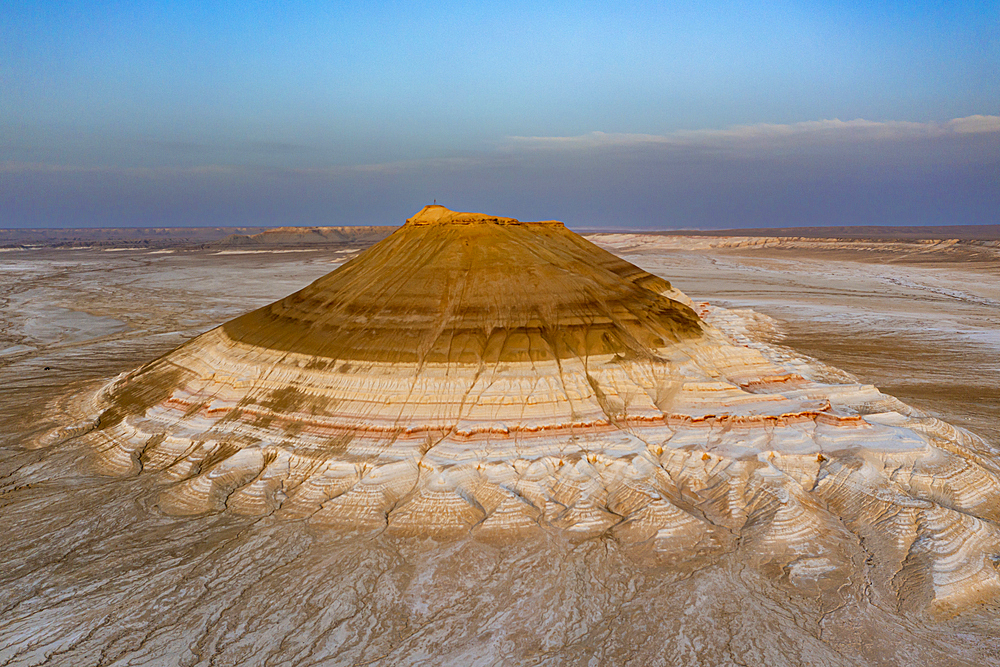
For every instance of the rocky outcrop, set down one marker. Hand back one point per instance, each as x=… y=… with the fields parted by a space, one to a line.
x=478 y=375
x=900 y=249
x=306 y=236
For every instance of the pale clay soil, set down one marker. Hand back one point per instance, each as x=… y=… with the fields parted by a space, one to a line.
x=92 y=574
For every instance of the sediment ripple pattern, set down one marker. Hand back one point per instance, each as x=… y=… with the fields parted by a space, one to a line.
x=426 y=389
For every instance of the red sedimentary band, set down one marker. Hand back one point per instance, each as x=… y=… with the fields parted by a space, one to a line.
x=773 y=379
x=820 y=416
x=322 y=427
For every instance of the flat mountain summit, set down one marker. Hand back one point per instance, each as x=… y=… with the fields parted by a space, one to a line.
x=477 y=375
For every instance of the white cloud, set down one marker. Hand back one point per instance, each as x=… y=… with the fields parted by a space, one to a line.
x=12 y=167
x=975 y=124
x=814 y=131
x=522 y=149
x=383 y=168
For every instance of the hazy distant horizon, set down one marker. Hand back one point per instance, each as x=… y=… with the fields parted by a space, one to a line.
x=992 y=230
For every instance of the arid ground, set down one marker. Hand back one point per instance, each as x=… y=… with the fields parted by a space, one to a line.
x=921 y=321
x=92 y=574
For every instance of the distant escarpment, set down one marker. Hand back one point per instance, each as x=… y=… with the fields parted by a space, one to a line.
x=305 y=236
x=908 y=250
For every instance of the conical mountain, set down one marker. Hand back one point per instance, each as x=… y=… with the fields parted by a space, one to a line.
x=479 y=374
x=459 y=288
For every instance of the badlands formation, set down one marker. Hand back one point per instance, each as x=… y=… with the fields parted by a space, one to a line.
x=479 y=374
x=483 y=441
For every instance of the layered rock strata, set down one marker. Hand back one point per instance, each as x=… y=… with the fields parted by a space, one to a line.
x=479 y=374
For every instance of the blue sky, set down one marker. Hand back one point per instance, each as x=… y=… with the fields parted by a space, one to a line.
x=601 y=114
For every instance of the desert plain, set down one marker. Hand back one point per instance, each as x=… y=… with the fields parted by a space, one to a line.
x=93 y=573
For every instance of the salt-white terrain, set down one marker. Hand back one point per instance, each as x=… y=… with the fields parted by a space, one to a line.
x=921 y=320
x=680 y=487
